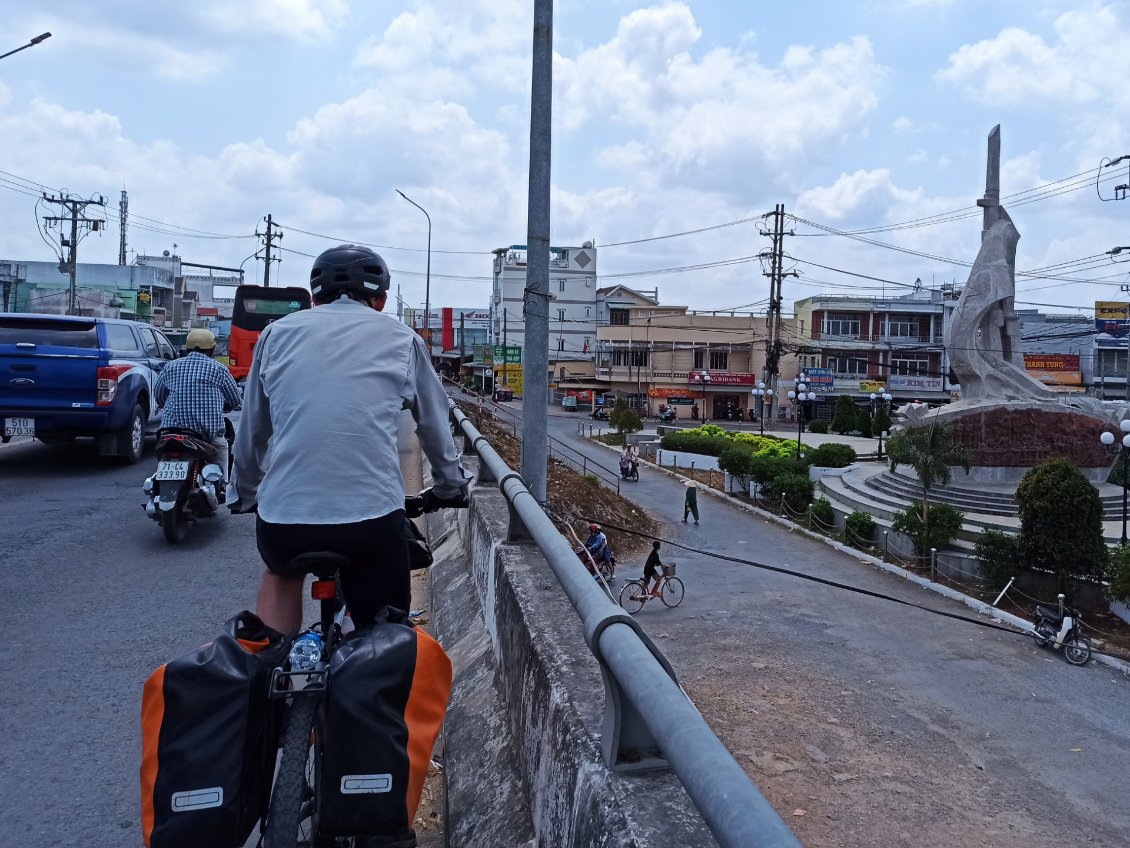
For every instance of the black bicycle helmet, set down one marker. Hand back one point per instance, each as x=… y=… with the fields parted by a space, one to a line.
x=348 y=268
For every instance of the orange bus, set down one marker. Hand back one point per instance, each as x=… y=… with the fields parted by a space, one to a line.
x=255 y=307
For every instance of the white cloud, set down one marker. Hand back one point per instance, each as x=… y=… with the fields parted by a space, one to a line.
x=140 y=51
x=300 y=20
x=1086 y=62
x=902 y=124
x=726 y=119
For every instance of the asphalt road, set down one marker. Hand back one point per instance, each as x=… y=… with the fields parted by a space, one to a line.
x=987 y=727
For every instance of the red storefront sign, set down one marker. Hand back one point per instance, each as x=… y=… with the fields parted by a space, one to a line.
x=721 y=378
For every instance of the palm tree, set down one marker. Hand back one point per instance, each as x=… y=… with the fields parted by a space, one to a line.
x=931 y=451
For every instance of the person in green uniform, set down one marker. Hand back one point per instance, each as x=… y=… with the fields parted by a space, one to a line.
x=690 y=503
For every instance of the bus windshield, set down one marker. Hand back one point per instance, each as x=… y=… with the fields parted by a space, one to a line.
x=255 y=307
x=254 y=310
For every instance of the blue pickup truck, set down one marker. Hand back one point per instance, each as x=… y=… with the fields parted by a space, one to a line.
x=64 y=376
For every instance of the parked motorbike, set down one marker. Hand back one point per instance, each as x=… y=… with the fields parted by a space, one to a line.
x=187 y=485
x=1062 y=629
x=599 y=414
x=630 y=469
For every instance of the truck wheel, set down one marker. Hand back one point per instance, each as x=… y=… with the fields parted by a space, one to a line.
x=132 y=436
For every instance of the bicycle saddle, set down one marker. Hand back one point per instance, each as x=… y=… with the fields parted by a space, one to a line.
x=321 y=563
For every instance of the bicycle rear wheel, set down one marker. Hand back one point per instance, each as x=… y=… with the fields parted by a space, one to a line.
x=672 y=592
x=632 y=596
x=292 y=818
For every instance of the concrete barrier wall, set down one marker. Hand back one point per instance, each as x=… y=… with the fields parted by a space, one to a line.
x=545 y=698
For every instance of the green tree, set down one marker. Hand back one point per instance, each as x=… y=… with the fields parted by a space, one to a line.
x=881 y=422
x=944 y=523
x=843 y=416
x=1061 y=523
x=863 y=423
x=625 y=420
x=999 y=557
x=931 y=451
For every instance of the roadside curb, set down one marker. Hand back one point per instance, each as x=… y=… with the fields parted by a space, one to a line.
x=979 y=606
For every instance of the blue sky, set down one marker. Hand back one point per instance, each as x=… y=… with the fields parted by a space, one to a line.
x=670 y=117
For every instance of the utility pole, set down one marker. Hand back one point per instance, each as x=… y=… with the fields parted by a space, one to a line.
x=77 y=214
x=123 y=216
x=268 y=237
x=774 y=344
x=534 y=469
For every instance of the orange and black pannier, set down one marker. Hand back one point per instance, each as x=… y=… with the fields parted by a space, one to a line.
x=209 y=739
x=387 y=694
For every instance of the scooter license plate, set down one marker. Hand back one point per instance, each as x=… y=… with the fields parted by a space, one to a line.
x=171 y=471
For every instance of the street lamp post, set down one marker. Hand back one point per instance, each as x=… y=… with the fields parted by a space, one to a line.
x=886 y=398
x=764 y=396
x=703 y=379
x=32 y=43
x=799 y=396
x=1107 y=438
x=427 y=275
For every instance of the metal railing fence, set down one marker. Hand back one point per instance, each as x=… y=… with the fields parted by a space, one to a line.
x=645 y=711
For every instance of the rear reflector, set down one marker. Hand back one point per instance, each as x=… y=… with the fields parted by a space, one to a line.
x=323 y=590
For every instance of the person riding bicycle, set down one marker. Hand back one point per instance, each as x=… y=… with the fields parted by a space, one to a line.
x=597 y=545
x=651 y=570
x=317 y=452
x=193 y=392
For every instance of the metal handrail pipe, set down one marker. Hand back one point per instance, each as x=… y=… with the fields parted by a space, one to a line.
x=731 y=805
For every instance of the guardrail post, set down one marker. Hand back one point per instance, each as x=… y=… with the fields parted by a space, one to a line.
x=626 y=742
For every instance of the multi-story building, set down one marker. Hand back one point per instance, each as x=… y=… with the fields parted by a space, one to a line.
x=868 y=345
x=572 y=300
x=670 y=355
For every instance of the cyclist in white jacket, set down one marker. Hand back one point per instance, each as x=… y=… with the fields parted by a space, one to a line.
x=316 y=451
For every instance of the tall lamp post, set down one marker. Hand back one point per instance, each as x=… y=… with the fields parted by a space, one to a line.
x=799 y=396
x=886 y=398
x=765 y=396
x=703 y=379
x=38 y=39
x=427 y=276
x=1107 y=438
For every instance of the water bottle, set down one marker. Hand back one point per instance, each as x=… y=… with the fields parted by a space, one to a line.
x=306 y=652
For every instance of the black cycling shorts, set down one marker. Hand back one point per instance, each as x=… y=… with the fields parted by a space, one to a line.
x=377 y=546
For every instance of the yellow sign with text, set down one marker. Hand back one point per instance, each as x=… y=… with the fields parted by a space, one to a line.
x=1109 y=310
x=509 y=376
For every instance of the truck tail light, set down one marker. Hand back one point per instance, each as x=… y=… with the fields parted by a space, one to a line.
x=108 y=376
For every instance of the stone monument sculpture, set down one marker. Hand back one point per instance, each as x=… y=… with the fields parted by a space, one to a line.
x=1008 y=420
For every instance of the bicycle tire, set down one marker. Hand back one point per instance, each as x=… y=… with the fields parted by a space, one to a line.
x=294 y=799
x=672 y=592
x=631 y=597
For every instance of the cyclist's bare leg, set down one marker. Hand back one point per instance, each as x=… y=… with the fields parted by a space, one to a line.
x=279 y=604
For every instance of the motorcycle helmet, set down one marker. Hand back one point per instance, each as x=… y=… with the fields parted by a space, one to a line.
x=349 y=268
x=594 y=528
x=202 y=340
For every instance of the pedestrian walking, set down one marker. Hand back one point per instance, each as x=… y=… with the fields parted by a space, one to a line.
x=690 y=503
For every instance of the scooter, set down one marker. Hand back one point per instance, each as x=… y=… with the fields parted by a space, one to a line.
x=1062 y=629
x=666 y=416
x=599 y=414
x=187 y=485
x=630 y=469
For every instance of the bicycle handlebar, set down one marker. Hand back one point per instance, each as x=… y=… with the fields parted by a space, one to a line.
x=428 y=501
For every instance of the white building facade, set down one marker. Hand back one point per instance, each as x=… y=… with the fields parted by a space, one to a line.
x=573 y=300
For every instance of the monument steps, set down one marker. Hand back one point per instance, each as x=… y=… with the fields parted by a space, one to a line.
x=855 y=490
